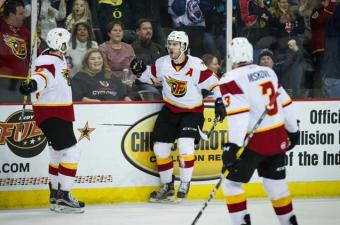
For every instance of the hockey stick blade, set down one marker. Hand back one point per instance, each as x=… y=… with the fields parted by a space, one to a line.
x=205 y=136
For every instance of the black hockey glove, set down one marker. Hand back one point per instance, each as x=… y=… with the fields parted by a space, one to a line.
x=137 y=66
x=28 y=88
x=220 y=109
x=293 y=139
x=229 y=155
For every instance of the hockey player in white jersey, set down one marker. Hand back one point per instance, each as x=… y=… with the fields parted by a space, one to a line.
x=51 y=96
x=246 y=91
x=182 y=77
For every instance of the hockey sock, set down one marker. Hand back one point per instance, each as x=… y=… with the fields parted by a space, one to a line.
x=186 y=165
x=284 y=209
x=165 y=168
x=280 y=198
x=53 y=167
x=68 y=167
x=236 y=200
x=237 y=207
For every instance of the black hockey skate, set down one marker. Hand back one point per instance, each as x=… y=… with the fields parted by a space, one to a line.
x=183 y=190
x=164 y=194
x=293 y=220
x=66 y=203
x=246 y=219
x=53 y=197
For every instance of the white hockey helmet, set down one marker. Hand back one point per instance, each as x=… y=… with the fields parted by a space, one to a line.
x=181 y=37
x=58 y=38
x=240 y=51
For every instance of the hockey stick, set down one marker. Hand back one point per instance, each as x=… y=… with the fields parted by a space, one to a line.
x=205 y=136
x=34 y=20
x=225 y=172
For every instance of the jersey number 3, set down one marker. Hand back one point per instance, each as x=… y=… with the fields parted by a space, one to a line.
x=269 y=91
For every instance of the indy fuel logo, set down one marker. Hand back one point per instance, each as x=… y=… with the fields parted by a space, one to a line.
x=33 y=140
x=137 y=148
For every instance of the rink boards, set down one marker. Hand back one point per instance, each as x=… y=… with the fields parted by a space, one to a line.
x=118 y=165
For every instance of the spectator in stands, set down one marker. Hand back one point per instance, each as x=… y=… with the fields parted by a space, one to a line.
x=49 y=16
x=284 y=24
x=143 y=46
x=266 y=58
x=14 y=47
x=80 y=13
x=148 y=51
x=212 y=63
x=255 y=18
x=319 y=19
x=81 y=40
x=118 y=54
x=110 y=10
x=150 y=9
x=188 y=16
x=331 y=67
x=95 y=82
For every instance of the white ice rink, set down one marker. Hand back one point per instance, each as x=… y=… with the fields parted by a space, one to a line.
x=309 y=212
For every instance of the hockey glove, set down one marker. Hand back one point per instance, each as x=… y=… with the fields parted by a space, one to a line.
x=27 y=88
x=229 y=155
x=137 y=66
x=220 y=109
x=293 y=139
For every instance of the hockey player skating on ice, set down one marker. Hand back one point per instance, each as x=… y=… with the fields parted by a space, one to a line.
x=246 y=91
x=182 y=77
x=51 y=96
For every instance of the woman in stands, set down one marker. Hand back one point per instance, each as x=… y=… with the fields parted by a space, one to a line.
x=95 y=83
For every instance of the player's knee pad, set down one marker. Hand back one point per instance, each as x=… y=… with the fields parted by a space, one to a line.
x=71 y=154
x=231 y=188
x=162 y=149
x=276 y=189
x=186 y=146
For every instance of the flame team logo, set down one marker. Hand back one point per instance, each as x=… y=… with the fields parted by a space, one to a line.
x=17 y=45
x=33 y=141
x=178 y=87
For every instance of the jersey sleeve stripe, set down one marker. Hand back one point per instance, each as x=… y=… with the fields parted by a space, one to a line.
x=238 y=111
x=43 y=76
x=153 y=70
x=230 y=87
x=49 y=67
x=287 y=103
x=205 y=75
x=212 y=87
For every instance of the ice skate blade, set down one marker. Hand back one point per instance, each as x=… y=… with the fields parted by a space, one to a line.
x=67 y=209
x=168 y=200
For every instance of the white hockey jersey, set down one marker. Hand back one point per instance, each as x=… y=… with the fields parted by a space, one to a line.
x=54 y=96
x=246 y=92
x=182 y=84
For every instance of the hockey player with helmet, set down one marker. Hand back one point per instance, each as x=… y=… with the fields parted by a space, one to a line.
x=51 y=96
x=246 y=91
x=182 y=77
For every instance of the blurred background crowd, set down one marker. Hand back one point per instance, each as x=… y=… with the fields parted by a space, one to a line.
x=298 y=39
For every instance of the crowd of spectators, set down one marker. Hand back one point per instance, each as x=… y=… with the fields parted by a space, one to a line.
x=299 y=39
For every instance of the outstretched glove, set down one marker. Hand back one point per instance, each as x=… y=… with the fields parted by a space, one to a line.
x=27 y=88
x=137 y=66
x=293 y=139
x=220 y=109
x=229 y=155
